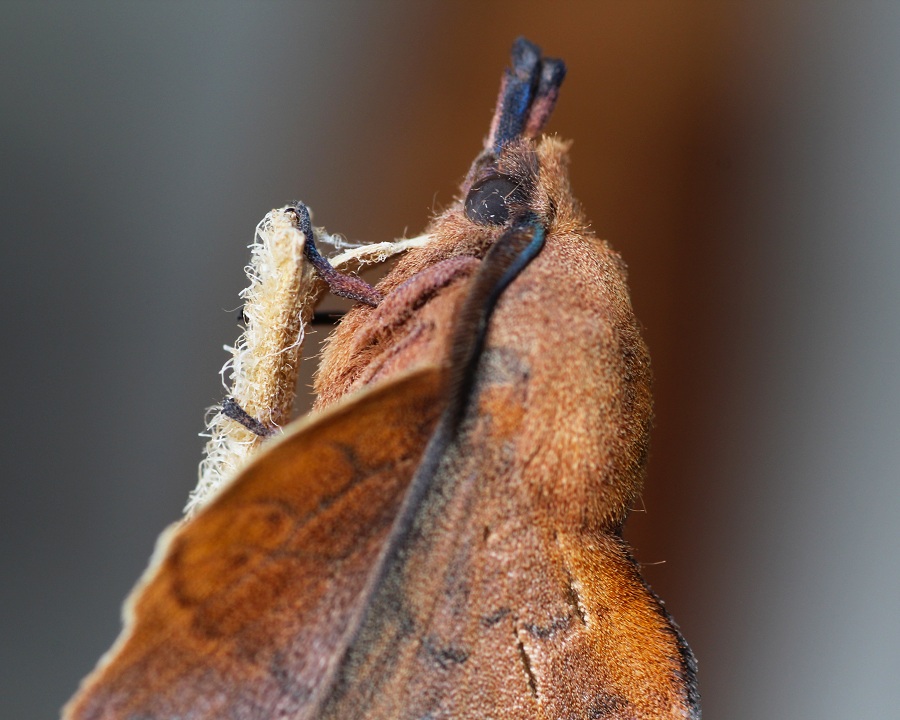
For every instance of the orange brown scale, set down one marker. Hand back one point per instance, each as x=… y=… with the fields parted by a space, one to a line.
x=557 y=438
x=436 y=540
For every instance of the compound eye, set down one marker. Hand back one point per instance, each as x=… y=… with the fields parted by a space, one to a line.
x=488 y=202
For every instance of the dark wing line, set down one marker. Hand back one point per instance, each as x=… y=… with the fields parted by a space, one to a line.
x=686 y=655
x=506 y=258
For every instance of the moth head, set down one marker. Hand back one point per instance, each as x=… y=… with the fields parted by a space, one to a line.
x=519 y=178
x=504 y=183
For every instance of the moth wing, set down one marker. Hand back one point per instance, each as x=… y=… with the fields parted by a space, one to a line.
x=489 y=612
x=243 y=604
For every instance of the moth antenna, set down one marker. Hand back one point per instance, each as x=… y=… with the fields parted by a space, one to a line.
x=507 y=257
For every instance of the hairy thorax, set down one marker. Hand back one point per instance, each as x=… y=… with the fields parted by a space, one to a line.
x=583 y=377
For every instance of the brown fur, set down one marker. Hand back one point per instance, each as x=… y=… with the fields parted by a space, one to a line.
x=512 y=594
x=589 y=403
x=516 y=597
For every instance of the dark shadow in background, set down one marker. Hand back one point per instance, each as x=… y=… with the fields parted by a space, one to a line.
x=745 y=163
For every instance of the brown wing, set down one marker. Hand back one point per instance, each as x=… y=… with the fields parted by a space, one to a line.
x=508 y=593
x=492 y=612
x=243 y=605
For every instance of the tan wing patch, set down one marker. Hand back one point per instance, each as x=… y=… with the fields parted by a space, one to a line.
x=227 y=620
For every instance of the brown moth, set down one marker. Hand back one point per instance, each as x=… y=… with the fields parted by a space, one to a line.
x=441 y=537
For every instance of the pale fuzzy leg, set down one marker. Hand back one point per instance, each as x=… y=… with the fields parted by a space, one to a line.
x=262 y=372
x=357 y=258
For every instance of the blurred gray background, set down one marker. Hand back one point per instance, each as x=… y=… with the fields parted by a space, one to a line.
x=745 y=159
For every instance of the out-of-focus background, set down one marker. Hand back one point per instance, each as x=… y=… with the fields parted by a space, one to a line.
x=745 y=159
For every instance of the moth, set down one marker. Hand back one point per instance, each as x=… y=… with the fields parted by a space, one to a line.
x=441 y=536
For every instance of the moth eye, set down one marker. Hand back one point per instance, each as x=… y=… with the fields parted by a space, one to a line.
x=488 y=202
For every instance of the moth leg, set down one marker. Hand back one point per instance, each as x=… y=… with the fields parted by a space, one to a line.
x=231 y=409
x=318 y=318
x=326 y=318
x=347 y=286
